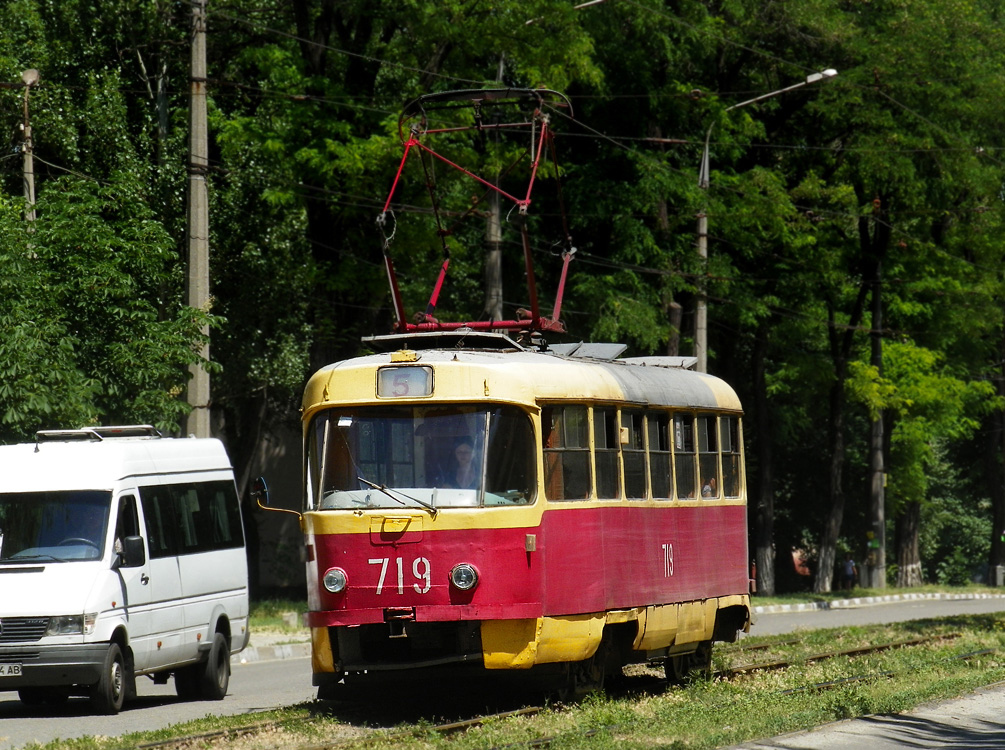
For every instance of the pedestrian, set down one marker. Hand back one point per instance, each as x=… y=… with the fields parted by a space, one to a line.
x=849 y=572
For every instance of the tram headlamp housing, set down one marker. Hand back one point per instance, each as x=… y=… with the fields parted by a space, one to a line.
x=335 y=580
x=464 y=576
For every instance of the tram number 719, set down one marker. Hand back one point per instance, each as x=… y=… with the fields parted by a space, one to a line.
x=667 y=560
x=420 y=570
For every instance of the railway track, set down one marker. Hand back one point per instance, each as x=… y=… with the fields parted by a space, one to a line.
x=226 y=736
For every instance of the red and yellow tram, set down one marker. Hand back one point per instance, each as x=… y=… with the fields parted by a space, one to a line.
x=476 y=507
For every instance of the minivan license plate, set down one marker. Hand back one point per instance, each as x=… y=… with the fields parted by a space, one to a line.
x=10 y=670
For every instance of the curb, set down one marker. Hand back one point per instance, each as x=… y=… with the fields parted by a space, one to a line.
x=865 y=601
x=273 y=653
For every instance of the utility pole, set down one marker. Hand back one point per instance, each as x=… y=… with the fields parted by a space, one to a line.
x=198 y=221
x=30 y=78
x=493 y=243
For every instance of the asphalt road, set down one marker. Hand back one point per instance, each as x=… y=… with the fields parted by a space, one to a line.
x=972 y=722
x=254 y=686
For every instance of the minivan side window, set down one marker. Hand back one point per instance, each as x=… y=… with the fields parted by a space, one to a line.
x=192 y=517
x=128 y=523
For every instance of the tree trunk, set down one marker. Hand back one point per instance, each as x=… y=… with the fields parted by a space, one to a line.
x=873 y=249
x=764 y=506
x=908 y=556
x=827 y=554
x=877 y=463
x=995 y=461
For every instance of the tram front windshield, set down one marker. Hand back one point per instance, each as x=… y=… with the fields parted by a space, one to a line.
x=420 y=457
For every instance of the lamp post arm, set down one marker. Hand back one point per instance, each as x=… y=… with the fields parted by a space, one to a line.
x=701 y=300
x=703 y=173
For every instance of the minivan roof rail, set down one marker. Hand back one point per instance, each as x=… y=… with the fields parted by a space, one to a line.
x=99 y=433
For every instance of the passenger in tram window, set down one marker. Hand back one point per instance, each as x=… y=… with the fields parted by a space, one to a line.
x=708 y=489
x=465 y=473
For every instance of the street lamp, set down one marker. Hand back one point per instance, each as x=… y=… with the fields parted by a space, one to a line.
x=701 y=306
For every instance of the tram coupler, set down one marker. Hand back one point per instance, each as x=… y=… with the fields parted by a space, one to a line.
x=396 y=617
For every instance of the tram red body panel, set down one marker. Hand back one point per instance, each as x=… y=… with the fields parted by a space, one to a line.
x=585 y=560
x=600 y=559
x=509 y=578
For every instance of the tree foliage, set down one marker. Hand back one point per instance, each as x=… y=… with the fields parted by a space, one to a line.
x=882 y=185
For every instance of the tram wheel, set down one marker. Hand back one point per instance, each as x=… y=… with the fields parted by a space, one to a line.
x=587 y=676
x=583 y=677
x=682 y=669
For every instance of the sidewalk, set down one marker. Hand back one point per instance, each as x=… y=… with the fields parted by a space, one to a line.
x=269 y=646
x=866 y=600
x=971 y=721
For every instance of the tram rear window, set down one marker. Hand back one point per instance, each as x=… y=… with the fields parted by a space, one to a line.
x=420 y=457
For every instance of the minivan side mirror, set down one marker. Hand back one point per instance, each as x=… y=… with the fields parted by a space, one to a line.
x=133 y=555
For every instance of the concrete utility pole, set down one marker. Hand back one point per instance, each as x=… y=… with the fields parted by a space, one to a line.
x=493 y=242
x=198 y=220
x=30 y=78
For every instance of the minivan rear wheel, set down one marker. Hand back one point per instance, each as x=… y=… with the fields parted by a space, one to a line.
x=216 y=677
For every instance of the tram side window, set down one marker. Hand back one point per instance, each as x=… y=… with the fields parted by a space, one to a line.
x=566 y=452
x=633 y=454
x=606 y=442
x=708 y=456
x=683 y=436
x=660 y=473
x=729 y=430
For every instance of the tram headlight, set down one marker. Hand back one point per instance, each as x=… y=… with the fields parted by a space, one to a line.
x=335 y=580
x=464 y=576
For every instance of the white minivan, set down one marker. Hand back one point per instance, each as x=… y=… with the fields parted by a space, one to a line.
x=121 y=554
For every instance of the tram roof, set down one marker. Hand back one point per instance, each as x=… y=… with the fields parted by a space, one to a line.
x=559 y=372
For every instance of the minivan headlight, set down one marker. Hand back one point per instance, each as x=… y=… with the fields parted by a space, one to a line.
x=72 y=624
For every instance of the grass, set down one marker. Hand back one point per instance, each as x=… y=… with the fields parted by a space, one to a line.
x=268 y=615
x=710 y=714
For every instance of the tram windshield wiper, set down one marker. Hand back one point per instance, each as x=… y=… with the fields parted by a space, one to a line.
x=381 y=488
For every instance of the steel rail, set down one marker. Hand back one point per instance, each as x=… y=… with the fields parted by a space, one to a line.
x=461 y=725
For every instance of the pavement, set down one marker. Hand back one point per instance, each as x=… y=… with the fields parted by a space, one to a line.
x=866 y=600
x=972 y=721
x=270 y=645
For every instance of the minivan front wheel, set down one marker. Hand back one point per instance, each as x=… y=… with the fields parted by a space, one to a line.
x=216 y=677
x=109 y=692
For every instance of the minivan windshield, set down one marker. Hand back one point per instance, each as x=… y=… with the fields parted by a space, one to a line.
x=428 y=457
x=55 y=526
